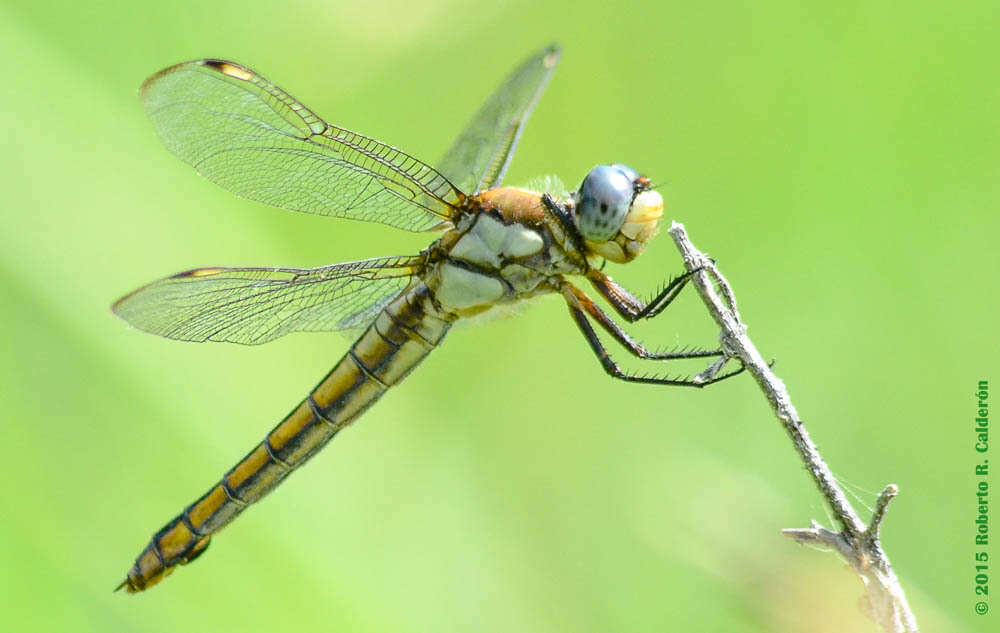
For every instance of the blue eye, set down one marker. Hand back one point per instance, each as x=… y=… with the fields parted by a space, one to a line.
x=632 y=174
x=604 y=200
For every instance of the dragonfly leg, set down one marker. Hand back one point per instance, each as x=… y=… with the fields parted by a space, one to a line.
x=581 y=307
x=636 y=348
x=630 y=308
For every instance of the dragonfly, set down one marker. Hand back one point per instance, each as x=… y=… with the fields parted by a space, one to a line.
x=496 y=245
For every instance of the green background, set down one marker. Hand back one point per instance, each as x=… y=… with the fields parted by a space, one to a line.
x=841 y=161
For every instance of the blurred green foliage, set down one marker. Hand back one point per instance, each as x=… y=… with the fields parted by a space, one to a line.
x=840 y=160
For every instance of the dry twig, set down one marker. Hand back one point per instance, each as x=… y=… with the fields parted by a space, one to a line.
x=857 y=543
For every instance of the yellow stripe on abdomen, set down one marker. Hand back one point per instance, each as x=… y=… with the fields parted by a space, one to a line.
x=401 y=336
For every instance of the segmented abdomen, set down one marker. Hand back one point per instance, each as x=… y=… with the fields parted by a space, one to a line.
x=399 y=338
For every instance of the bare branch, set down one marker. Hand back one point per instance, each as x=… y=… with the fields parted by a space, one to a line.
x=856 y=542
x=878 y=515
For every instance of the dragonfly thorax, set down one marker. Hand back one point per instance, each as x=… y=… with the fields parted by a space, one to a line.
x=503 y=252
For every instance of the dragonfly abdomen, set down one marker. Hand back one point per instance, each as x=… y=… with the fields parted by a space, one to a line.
x=399 y=338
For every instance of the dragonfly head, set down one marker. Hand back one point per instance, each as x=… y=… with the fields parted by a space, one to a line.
x=617 y=212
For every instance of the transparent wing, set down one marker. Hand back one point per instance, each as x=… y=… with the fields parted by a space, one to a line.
x=550 y=184
x=480 y=155
x=256 y=305
x=246 y=134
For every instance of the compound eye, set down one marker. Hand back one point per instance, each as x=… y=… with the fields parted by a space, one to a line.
x=603 y=202
x=632 y=174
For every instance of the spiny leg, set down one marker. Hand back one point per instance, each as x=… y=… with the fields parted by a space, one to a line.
x=579 y=315
x=636 y=348
x=630 y=308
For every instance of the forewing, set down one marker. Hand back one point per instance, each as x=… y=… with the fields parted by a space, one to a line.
x=480 y=155
x=244 y=133
x=256 y=305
